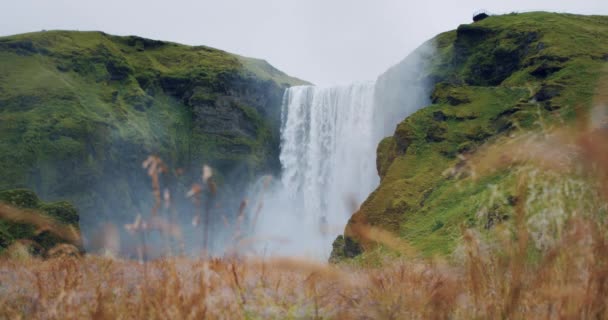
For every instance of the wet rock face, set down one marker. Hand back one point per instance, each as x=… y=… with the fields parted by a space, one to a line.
x=230 y=110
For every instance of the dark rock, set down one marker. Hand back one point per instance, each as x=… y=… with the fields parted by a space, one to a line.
x=508 y=112
x=385 y=155
x=439 y=116
x=24 y=47
x=436 y=131
x=118 y=70
x=471 y=31
x=551 y=107
x=175 y=85
x=147 y=80
x=404 y=135
x=480 y=16
x=490 y=64
x=548 y=92
x=143 y=43
x=351 y=247
x=457 y=100
x=344 y=247
x=546 y=69
x=503 y=124
x=337 y=252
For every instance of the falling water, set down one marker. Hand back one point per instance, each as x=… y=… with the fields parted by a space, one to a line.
x=329 y=165
x=328 y=154
x=327 y=149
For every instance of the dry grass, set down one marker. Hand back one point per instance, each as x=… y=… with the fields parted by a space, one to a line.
x=568 y=281
x=509 y=279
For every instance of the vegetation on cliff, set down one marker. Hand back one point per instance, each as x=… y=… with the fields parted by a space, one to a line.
x=505 y=170
x=80 y=111
x=498 y=78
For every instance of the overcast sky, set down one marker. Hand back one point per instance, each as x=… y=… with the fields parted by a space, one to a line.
x=322 y=41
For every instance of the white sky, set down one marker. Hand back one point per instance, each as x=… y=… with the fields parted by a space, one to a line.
x=322 y=41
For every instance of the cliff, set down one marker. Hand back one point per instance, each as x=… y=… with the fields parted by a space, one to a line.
x=488 y=80
x=80 y=111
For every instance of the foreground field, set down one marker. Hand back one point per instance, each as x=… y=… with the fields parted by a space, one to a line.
x=570 y=281
x=548 y=259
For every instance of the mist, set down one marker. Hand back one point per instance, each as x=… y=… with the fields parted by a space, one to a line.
x=329 y=137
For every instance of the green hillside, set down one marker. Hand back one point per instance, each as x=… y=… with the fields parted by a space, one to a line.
x=503 y=75
x=80 y=111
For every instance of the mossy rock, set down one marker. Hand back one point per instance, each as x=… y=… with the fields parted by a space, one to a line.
x=63 y=211
x=447 y=93
x=344 y=247
x=11 y=231
x=385 y=155
x=21 y=198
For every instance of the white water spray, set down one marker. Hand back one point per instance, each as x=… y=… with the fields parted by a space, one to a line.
x=328 y=156
x=329 y=162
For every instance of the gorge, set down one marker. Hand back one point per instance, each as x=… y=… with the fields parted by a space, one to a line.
x=146 y=179
x=381 y=151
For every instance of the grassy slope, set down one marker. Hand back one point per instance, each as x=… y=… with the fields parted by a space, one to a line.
x=503 y=74
x=80 y=110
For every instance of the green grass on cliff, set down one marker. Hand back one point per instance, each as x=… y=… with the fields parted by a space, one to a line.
x=505 y=74
x=79 y=111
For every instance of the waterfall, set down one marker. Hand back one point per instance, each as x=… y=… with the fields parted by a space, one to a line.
x=328 y=154
x=328 y=158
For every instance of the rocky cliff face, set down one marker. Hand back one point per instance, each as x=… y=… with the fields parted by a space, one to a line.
x=503 y=75
x=80 y=111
